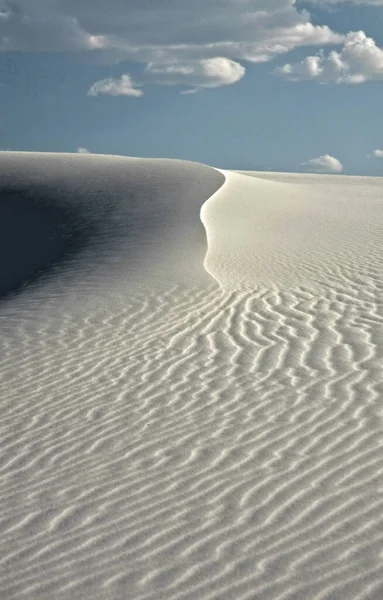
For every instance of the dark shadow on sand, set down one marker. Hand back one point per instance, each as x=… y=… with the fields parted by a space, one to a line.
x=36 y=234
x=54 y=207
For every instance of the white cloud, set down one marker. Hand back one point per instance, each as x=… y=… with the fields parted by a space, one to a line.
x=115 y=87
x=175 y=39
x=323 y=164
x=162 y=33
x=205 y=73
x=81 y=150
x=359 y=60
x=208 y=73
x=378 y=153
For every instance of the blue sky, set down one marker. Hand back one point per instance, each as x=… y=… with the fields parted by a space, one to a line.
x=242 y=84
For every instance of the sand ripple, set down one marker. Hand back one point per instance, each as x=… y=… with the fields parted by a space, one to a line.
x=194 y=442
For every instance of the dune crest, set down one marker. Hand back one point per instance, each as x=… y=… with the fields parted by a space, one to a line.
x=65 y=214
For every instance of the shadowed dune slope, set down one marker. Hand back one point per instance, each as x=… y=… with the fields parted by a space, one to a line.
x=120 y=210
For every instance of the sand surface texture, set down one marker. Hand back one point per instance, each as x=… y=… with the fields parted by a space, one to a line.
x=191 y=377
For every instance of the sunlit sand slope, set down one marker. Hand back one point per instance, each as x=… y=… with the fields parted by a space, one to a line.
x=289 y=229
x=174 y=433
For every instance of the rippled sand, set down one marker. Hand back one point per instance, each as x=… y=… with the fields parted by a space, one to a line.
x=191 y=400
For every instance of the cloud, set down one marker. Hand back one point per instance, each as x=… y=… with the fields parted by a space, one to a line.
x=378 y=153
x=207 y=73
x=189 y=91
x=82 y=150
x=323 y=164
x=162 y=33
x=40 y=28
x=359 y=60
x=359 y=2
x=195 y=44
x=123 y=86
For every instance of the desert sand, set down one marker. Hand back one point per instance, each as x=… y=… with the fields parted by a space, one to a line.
x=191 y=377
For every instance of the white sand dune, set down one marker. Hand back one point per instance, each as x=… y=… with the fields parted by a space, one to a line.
x=188 y=411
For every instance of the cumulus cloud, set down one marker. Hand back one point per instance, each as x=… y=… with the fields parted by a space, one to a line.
x=81 y=150
x=196 y=44
x=323 y=164
x=358 y=61
x=122 y=86
x=378 y=153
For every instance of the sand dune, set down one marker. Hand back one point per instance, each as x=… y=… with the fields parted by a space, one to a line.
x=192 y=382
x=102 y=211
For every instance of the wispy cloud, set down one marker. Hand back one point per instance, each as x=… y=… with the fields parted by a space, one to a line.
x=146 y=31
x=208 y=73
x=196 y=74
x=81 y=150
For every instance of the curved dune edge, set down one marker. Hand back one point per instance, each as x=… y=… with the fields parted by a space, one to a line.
x=108 y=216
x=184 y=442
x=270 y=229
